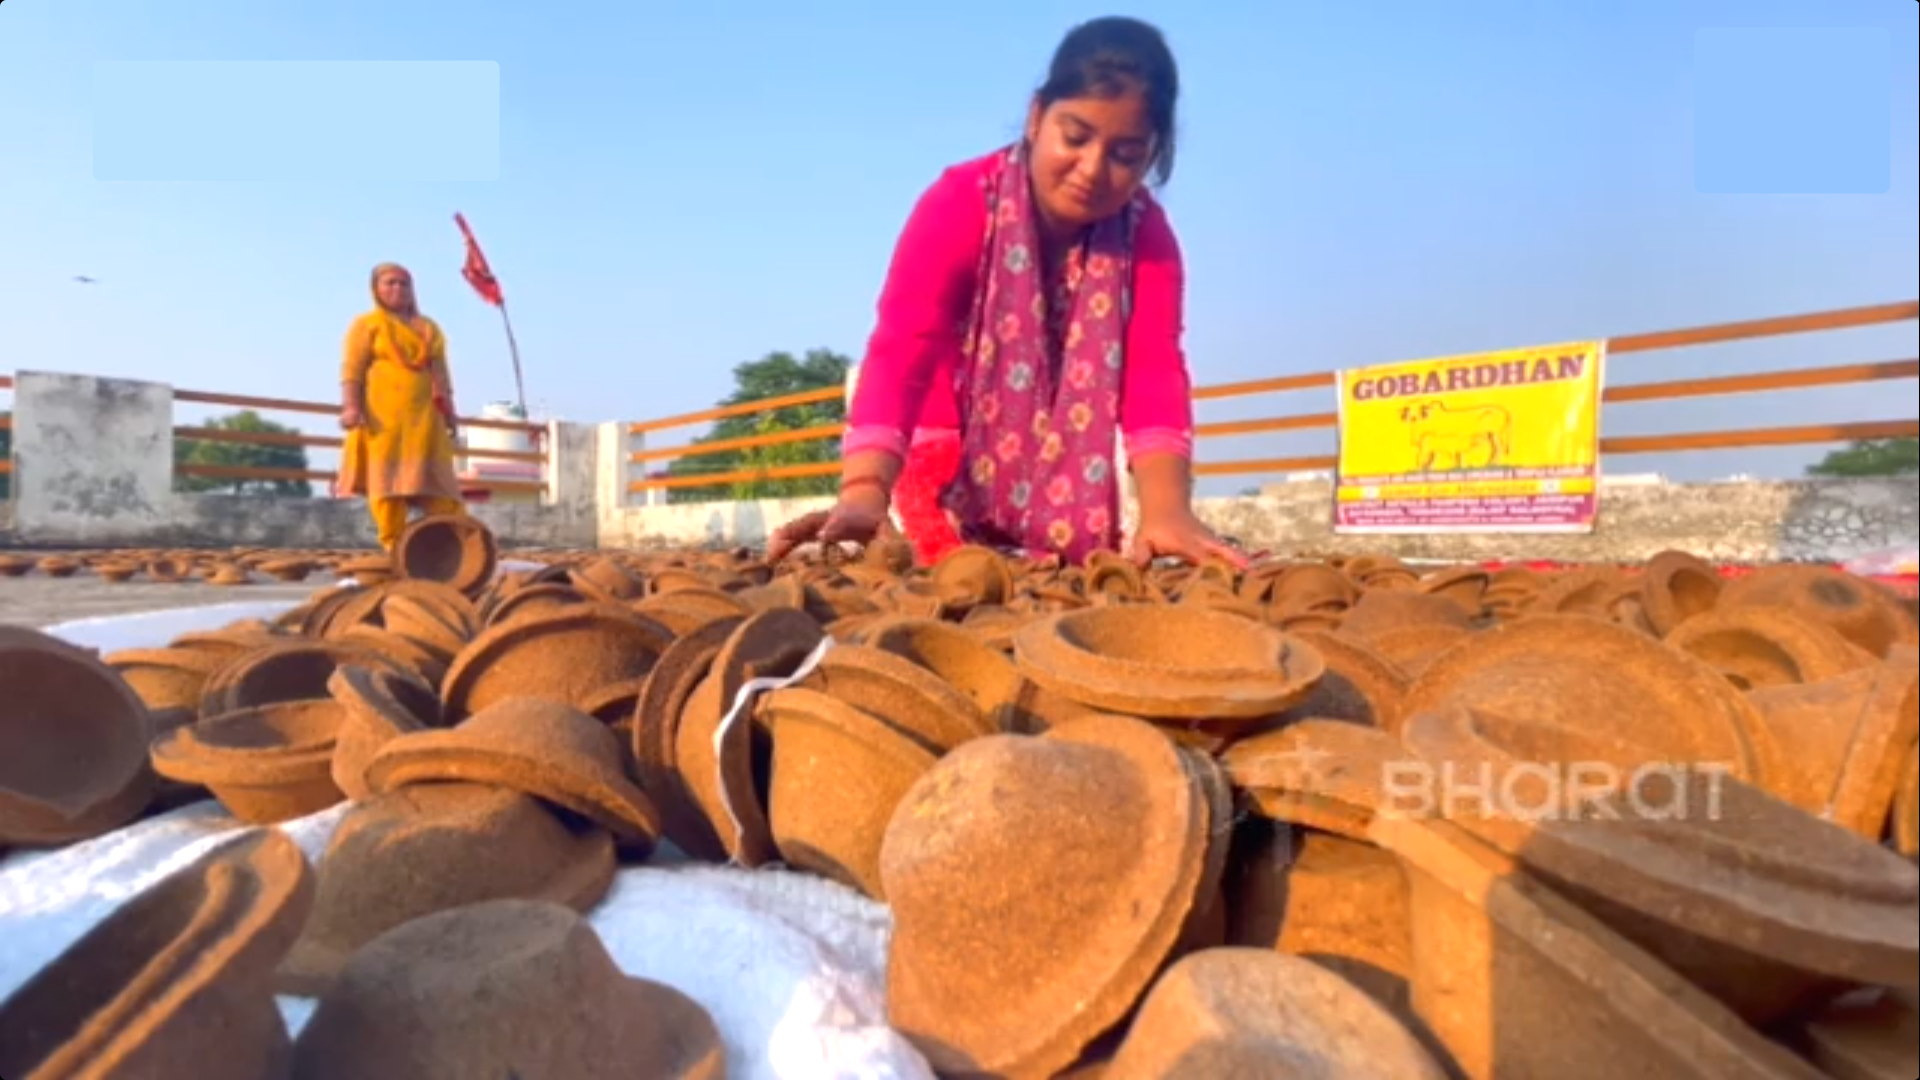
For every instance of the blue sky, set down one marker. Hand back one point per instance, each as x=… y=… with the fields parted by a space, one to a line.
x=680 y=190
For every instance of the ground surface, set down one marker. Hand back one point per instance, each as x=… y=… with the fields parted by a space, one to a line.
x=39 y=601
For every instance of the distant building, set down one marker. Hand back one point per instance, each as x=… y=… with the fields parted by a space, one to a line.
x=474 y=472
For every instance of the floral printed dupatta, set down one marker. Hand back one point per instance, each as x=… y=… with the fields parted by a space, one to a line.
x=1039 y=387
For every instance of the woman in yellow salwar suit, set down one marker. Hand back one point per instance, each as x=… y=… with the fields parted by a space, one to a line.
x=396 y=405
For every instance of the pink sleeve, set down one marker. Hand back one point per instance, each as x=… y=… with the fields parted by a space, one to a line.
x=1156 y=392
x=923 y=305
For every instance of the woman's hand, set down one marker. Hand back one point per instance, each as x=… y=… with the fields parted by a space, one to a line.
x=1179 y=534
x=351 y=417
x=861 y=516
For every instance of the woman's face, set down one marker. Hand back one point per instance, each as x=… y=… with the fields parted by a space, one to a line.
x=395 y=290
x=1089 y=155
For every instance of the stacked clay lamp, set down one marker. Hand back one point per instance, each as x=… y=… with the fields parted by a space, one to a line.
x=1129 y=823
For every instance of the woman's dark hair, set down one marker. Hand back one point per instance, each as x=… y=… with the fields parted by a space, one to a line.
x=1107 y=57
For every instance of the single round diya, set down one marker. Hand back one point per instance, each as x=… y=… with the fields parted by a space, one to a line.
x=1581 y=673
x=1675 y=587
x=73 y=743
x=1104 y=820
x=1313 y=587
x=434 y=847
x=1763 y=646
x=170 y=678
x=265 y=764
x=175 y=981
x=1109 y=574
x=838 y=775
x=378 y=707
x=1859 y=610
x=1168 y=662
x=498 y=989
x=913 y=700
x=656 y=726
x=1359 y=686
x=969 y=576
x=565 y=656
x=455 y=549
x=1380 y=611
x=533 y=746
x=1255 y=1012
x=956 y=655
x=294 y=670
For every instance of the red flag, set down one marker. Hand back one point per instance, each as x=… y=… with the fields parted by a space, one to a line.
x=476 y=271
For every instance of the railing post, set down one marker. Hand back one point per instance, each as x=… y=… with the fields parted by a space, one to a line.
x=93 y=458
x=573 y=478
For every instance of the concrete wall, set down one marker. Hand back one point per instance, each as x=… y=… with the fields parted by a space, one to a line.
x=93 y=467
x=1814 y=520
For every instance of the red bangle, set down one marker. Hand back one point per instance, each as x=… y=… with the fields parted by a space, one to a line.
x=863 y=481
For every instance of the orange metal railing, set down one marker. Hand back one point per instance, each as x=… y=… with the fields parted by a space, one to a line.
x=1767 y=382
x=321 y=442
x=334 y=442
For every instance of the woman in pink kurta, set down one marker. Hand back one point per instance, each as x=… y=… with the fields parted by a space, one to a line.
x=1030 y=322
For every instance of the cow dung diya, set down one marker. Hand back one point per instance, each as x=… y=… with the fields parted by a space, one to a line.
x=1581 y=673
x=969 y=751
x=434 y=847
x=1765 y=647
x=176 y=981
x=1170 y=663
x=838 y=774
x=73 y=738
x=1102 y=818
x=1766 y=907
x=1514 y=980
x=568 y=654
x=501 y=988
x=1842 y=739
x=1256 y=1012
x=376 y=708
x=532 y=746
x=265 y=764
x=725 y=772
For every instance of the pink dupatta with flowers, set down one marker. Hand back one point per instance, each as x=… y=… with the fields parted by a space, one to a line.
x=1039 y=386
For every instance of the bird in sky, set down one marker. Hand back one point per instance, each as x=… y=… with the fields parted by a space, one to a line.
x=85 y=280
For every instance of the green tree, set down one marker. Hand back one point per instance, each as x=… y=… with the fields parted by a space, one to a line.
x=1872 y=457
x=777 y=374
x=265 y=454
x=6 y=454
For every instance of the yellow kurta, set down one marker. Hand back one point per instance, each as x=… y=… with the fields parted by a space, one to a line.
x=404 y=449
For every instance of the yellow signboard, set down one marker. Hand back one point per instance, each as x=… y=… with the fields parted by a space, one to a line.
x=1493 y=442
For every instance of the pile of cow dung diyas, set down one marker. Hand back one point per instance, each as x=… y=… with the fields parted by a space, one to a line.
x=1343 y=817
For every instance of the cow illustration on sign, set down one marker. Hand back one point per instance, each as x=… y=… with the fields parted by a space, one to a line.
x=1479 y=437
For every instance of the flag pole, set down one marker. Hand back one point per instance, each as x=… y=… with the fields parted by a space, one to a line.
x=513 y=350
